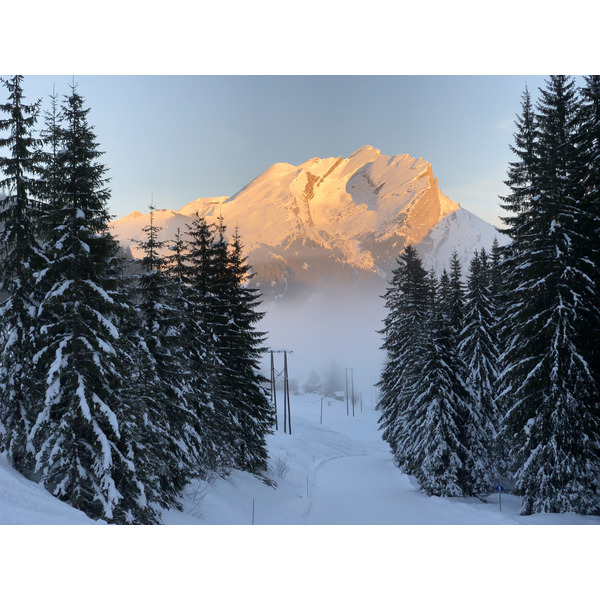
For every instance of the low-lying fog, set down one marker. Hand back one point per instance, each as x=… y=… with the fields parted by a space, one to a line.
x=328 y=334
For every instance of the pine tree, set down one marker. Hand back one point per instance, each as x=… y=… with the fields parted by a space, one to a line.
x=475 y=414
x=521 y=202
x=405 y=331
x=234 y=413
x=217 y=303
x=171 y=447
x=456 y=299
x=20 y=258
x=589 y=143
x=499 y=293
x=239 y=347
x=521 y=206
x=548 y=390
x=496 y=277
x=192 y=350
x=211 y=421
x=178 y=270
x=440 y=407
x=480 y=351
x=84 y=427
x=429 y=416
x=49 y=183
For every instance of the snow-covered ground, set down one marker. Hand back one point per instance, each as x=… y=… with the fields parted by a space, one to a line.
x=23 y=502
x=340 y=473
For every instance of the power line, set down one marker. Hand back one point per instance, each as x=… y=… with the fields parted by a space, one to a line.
x=351 y=369
x=287 y=416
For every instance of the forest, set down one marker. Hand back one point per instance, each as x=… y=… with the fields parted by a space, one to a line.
x=496 y=382
x=118 y=386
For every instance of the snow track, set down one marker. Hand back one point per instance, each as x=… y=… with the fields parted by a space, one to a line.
x=353 y=485
x=341 y=473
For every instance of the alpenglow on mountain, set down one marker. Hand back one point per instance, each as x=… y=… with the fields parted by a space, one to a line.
x=333 y=221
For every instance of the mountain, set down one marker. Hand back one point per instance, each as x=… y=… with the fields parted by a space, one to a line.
x=324 y=236
x=332 y=222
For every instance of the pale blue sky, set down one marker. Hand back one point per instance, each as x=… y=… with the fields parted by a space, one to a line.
x=179 y=138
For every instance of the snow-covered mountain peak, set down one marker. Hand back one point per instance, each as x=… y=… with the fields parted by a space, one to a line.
x=327 y=220
x=200 y=205
x=366 y=154
x=136 y=214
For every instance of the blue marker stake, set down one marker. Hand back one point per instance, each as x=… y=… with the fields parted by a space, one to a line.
x=500 y=489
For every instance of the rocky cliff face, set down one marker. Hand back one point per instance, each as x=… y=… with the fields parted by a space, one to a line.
x=332 y=222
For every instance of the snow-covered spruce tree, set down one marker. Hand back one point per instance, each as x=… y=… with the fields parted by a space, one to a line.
x=478 y=429
x=225 y=311
x=521 y=206
x=208 y=406
x=177 y=270
x=405 y=331
x=440 y=408
x=191 y=344
x=494 y=264
x=552 y=422
x=83 y=430
x=428 y=416
x=240 y=348
x=589 y=141
x=20 y=258
x=456 y=299
x=496 y=278
x=501 y=318
x=520 y=203
x=479 y=349
x=216 y=301
x=49 y=183
x=171 y=448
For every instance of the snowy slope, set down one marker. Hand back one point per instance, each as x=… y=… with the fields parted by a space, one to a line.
x=24 y=502
x=128 y=229
x=340 y=473
x=459 y=230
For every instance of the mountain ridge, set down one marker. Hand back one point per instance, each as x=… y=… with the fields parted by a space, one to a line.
x=332 y=221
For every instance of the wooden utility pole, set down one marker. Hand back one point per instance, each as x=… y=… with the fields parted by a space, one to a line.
x=347 y=408
x=286 y=394
x=273 y=390
x=352 y=379
x=287 y=416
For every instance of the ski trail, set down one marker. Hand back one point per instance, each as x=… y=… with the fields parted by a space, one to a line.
x=368 y=489
x=349 y=489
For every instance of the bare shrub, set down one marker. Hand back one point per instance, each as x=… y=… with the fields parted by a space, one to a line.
x=193 y=496
x=281 y=467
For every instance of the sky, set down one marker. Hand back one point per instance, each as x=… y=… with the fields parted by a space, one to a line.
x=181 y=137
x=196 y=101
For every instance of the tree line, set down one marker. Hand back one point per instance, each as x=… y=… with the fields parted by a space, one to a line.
x=116 y=389
x=498 y=379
